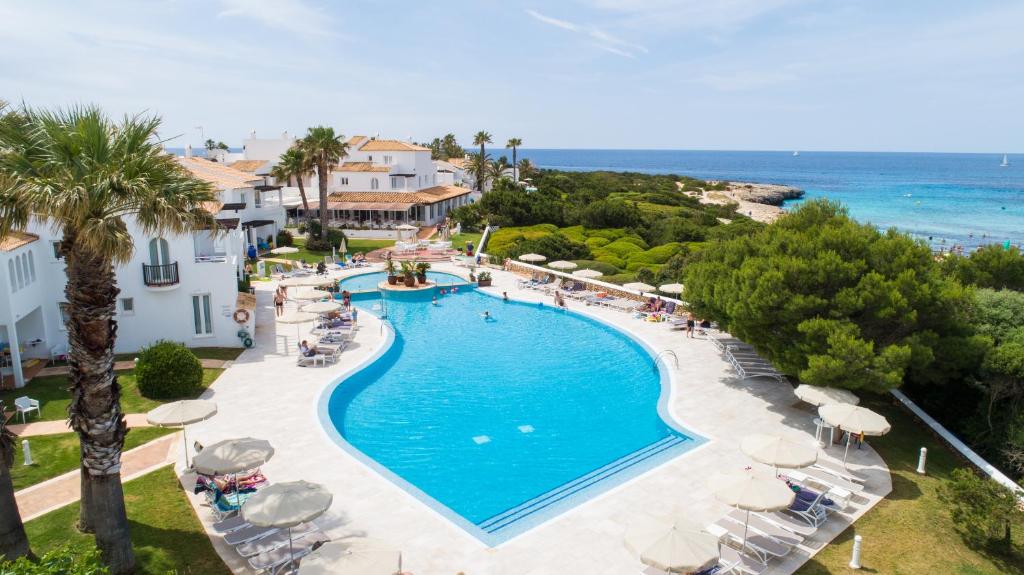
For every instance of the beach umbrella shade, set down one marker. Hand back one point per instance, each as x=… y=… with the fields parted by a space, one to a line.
x=306 y=281
x=232 y=456
x=638 y=286
x=672 y=545
x=321 y=307
x=343 y=247
x=285 y=505
x=356 y=557
x=853 y=419
x=777 y=451
x=816 y=395
x=407 y=227
x=297 y=318
x=285 y=250
x=532 y=258
x=587 y=273
x=181 y=414
x=750 y=492
x=309 y=294
x=562 y=265
x=671 y=288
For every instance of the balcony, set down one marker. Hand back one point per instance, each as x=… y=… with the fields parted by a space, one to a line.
x=160 y=276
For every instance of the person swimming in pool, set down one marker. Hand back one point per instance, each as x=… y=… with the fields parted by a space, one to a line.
x=504 y=295
x=487 y=316
x=434 y=301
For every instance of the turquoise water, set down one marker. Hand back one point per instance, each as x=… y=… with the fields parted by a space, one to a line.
x=500 y=424
x=370 y=281
x=944 y=199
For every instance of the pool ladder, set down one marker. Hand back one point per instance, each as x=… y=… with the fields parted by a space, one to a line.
x=666 y=353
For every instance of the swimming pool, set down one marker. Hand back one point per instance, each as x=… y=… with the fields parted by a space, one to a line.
x=370 y=281
x=502 y=424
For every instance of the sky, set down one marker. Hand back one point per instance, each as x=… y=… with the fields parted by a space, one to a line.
x=869 y=75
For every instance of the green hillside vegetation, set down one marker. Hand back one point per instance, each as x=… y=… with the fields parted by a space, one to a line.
x=628 y=226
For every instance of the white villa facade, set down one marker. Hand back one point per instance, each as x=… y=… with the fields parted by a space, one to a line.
x=382 y=184
x=173 y=288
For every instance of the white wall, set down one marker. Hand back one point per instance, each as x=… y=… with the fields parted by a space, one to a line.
x=266 y=148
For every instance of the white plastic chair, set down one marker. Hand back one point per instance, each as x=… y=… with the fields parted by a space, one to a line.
x=25 y=404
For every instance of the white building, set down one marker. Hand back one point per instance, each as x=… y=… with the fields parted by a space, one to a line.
x=181 y=287
x=386 y=183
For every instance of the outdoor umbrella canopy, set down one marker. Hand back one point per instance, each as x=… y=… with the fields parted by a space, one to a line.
x=638 y=286
x=285 y=505
x=532 y=258
x=853 y=419
x=672 y=545
x=587 y=273
x=749 y=492
x=306 y=281
x=285 y=250
x=671 y=288
x=562 y=265
x=360 y=557
x=777 y=451
x=232 y=456
x=297 y=318
x=180 y=414
x=817 y=396
x=309 y=294
x=321 y=307
x=407 y=227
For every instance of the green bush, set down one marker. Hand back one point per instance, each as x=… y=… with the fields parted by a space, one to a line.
x=597 y=242
x=318 y=245
x=982 y=510
x=61 y=561
x=302 y=228
x=314 y=228
x=575 y=233
x=168 y=370
x=611 y=260
x=602 y=267
x=284 y=238
x=334 y=237
x=622 y=248
x=656 y=255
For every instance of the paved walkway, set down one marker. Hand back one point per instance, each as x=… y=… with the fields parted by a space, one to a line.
x=265 y=395
x=124 y=365
x=61 y=426
x=62 y=490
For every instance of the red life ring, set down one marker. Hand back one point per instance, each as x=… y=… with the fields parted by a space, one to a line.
x=241 y=316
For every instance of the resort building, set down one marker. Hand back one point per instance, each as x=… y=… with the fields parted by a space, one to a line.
x=387 y=183
x=178 y=287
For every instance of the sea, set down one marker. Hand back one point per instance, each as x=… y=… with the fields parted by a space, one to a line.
x=945 y=199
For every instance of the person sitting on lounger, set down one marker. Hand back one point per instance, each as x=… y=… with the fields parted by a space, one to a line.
x=305 y=350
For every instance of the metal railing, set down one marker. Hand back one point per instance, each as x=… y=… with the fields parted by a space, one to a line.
x=160 y=276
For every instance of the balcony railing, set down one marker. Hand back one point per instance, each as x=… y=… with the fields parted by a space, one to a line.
x=160 y=276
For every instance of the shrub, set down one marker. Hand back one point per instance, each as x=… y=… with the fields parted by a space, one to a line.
x=314 y=228
x=284 y=238
x=168 y=370
x=611 y=260
x=982 y=510
x=622 y=248
x=335 y=236
x=606 y=269
x=60 y=561
x=302 y=228
x=656 y=255
x=318 y=245
x=597 y=242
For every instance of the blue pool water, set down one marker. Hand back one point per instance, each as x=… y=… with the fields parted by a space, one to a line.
x=370 y=281
x=500 y=424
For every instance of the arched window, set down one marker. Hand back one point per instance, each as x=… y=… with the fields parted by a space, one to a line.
x=32 y=266
x=21 y=274
x=374 y=184
x=10 y=272
x=159 y=252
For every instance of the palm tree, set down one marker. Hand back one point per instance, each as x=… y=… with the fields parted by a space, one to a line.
x=324 y=149
x=476 y=166
x=480 y=139
x=525 y=168
x=13 y=541
x=88 y=178
x=293 y=164
x=514 y=143
x=210 y=145
x=496 y=169
x=451 y=147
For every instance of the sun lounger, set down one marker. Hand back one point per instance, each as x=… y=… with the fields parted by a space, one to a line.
x=788 y=522
x=760 y=545
x=833 y=491
x=271 y=560
x=275 y=540
x=765 y=527
x=838 y=471
x=247 y=534
x=230 y=524
x=741 y=562
x=813 y=512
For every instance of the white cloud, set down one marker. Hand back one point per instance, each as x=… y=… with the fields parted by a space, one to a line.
x=603 y=40
x=295 y=16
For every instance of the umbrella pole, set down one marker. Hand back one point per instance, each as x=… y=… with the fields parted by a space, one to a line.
x=746 y=524
x=847 y=452
x=291 y=552
x=184 y=438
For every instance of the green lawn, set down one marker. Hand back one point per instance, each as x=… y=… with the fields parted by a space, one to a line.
x=58 y=454
x=459 y=240
x=52 y=393
x=311 y=257
x=166 y=533
x=910 y=532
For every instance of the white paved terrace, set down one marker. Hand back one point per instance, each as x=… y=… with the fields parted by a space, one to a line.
x=263 y=394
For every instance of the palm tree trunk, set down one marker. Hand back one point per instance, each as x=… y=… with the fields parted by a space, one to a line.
x=302 y=192
x=481 y=175
x=85 y=512
x=95 y=410
x=322 y=175
x=13 y=541
x=515 y=165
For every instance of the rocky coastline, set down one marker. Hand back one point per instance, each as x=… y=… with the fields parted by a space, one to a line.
x=768 y=194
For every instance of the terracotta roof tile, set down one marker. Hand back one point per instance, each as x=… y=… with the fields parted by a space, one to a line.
x=361 y=167
x=15 y=239
x=391 y=146
x=354 y=141
x=427 y=196
x=249 y=166
x=221 y=176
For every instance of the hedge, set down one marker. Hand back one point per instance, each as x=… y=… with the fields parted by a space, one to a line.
x=168 y=370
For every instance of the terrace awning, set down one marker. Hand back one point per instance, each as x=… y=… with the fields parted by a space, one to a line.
x=226 y=224
x=266 y=188
x=233 y=206
x=383 y=206
x=256 y=223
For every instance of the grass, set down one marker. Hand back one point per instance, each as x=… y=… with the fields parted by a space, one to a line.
x=54 y=398
x=313 y=256
x=58 y=454
x=910 y=530
x=166 y=533
x=459 y=240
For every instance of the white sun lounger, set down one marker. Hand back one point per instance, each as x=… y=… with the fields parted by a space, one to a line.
x=247 y=534
x=741 y=562
x=759 y=544
x=788 y=522
x=230 y=524
x=271 y=560
x=838 y=471
x=276 y=540
x=762 y=525
x=833 y=491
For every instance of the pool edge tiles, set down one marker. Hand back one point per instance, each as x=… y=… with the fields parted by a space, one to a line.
x=511 y=523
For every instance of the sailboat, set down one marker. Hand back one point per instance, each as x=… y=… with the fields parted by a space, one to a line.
x=1006 y=162
x=797 y=153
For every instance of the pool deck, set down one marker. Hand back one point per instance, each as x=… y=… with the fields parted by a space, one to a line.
x=264 y=394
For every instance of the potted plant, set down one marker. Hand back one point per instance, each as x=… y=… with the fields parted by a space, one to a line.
x=409 y=274
x=421 y=272
x=484 y=279
x=392 y=272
